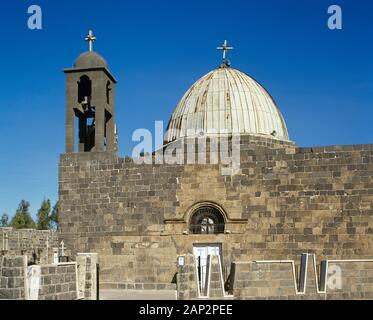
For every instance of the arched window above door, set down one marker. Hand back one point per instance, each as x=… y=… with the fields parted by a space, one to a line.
x=207 y=220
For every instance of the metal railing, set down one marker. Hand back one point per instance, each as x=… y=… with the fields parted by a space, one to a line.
x=206 y=228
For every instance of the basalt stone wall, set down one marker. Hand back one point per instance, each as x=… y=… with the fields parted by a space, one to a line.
x=264 y=281
x=277 y=280
x=216 y=289
x=356 y=281
x=285 y=201
x=48 y=282
x=87 y=275
x=12 y=278
x=187 y=279
x=36 y=244
x=58 y=282
x=70 y=281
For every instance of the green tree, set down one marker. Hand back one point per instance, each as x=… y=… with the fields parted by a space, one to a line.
x=54 y=217
x=43 y=219
x=22 y=218
x=4 y=220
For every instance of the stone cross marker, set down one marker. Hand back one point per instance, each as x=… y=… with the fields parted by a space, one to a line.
x=47 y=249
x=55 y=256
x=5 y=241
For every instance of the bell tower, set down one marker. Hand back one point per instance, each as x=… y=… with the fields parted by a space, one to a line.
x=90 y=105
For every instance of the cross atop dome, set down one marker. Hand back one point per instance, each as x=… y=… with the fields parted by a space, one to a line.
x=225 y=48
x=90 y=38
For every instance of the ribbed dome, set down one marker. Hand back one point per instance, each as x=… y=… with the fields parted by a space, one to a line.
x=226 y=100
x=90 y=59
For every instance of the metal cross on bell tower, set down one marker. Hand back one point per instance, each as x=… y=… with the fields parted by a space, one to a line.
x=225 y=48
x=90 y=38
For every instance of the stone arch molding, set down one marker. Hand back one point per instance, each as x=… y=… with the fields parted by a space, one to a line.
x=181 y=225
x=191 y=210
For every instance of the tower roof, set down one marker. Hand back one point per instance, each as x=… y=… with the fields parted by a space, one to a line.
x=226 y=100
x=90 y=59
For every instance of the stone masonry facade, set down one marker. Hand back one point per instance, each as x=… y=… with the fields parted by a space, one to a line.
x=286 y=201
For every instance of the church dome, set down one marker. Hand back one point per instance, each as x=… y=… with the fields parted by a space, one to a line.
x=90 y=59
x=226 y=100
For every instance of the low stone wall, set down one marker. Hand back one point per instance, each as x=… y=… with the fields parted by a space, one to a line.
x=215 y=278
x=272 y=280
x=356 y=280
x=260 y=281
x=188 y=284
x=36 y=244
x=187 y=279
x=48 y=282
x=280 y=280
x=12 y=278
x=58 y=282
x=87 y=264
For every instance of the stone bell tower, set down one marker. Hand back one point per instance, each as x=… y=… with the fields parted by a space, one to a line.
x=90 y=105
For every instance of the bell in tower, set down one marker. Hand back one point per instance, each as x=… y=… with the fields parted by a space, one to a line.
x=90 y=93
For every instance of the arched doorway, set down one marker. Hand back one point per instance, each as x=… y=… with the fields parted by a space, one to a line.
x=206 y=219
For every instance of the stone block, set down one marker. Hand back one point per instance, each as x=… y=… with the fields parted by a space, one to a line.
x=16 y=282
x=6 y=294
x=3 y=282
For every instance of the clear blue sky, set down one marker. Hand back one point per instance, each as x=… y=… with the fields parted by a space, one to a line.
x=322 y=80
